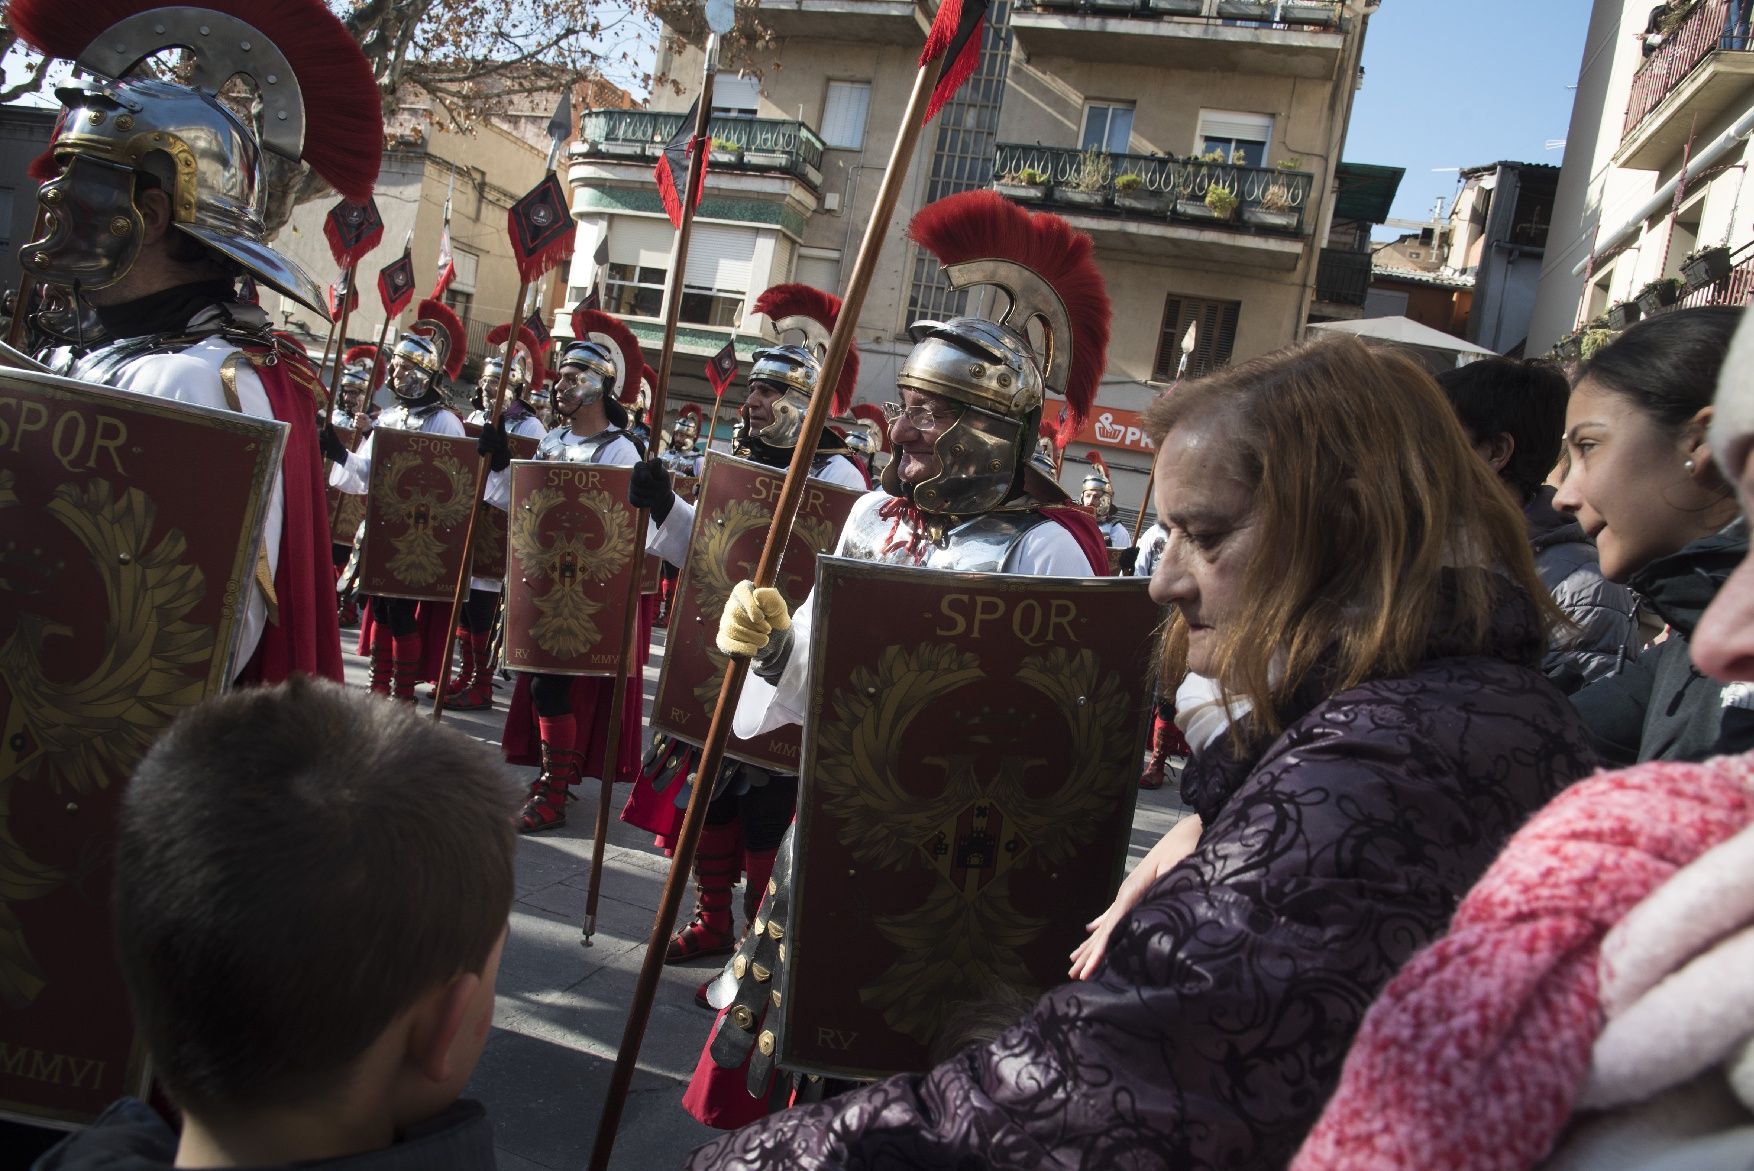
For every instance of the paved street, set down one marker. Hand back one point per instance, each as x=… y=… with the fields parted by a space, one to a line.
x=561 y=1007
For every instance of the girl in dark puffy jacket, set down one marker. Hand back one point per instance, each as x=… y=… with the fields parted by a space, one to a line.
x=1341 y=560
x=1642 y=483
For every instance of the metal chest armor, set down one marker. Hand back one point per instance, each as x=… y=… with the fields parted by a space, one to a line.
x=401 y=417
x=981 y=544
x=557 y=445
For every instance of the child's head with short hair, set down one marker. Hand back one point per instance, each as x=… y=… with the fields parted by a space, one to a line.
x=298 y=870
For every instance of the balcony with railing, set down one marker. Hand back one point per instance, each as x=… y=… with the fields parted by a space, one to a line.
x=1700 y=67
x=1159 y=203
x=866 y=21
x=746 y=145
x=1301 y=37
x=1342 y=277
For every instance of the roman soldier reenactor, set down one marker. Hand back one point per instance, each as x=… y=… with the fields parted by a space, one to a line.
x=752 y=806
x=154 y=197
x=963 y=491
x=560 y=721
x=405 y=638
x=471 y=687
x=1098 y=496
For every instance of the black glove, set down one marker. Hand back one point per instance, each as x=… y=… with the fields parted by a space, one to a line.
x=649 y=488
x=493 y=445
x=330 y=444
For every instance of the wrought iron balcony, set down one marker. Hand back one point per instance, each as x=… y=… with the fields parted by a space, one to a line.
x=1278 y=13
x=1343 y=277
x=1714 y=26
x=739 y=144
x=1197 y=192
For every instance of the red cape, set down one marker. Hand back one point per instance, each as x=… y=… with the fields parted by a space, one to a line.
x=591 y=697
x=305 y=636
x=1085 y=531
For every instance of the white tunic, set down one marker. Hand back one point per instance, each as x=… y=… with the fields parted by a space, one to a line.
x=192 y=375
x=670 y=540
x=1116 y=534
x=1047 y=550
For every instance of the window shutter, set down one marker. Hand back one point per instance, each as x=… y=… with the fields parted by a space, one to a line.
x=1232 y=124
x=719 y=258
x=1214 y=336
x=736 y=96
x=843 y=114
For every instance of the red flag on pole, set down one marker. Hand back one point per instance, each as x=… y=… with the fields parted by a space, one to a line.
x=721 y=369
x=396 y=284
x=673 y=170
x=352 y=229
x=447 y=266
x=541 y=228
x=955 y=36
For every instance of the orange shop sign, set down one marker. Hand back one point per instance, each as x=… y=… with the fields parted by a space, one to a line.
x=1113 y=427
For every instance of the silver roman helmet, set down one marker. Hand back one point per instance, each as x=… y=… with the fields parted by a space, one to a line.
x=595 y=365
x=122 y=133
x=1097 y=485
x=990 y=368
x=794 y=368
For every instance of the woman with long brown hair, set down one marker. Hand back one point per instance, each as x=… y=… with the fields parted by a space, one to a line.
x=1342 y=562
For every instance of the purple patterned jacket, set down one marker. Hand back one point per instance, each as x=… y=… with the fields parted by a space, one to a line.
x=1214 y=1031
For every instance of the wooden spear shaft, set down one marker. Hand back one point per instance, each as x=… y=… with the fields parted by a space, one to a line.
x=737 y=669
x=712 y=426
x=341 y=336
x=1145 y=502
x=660 y=392
x=462 y=591
x=328 y=344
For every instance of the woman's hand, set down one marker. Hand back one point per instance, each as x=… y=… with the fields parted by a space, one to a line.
x=1177 y=844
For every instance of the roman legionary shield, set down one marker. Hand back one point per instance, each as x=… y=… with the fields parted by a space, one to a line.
x=730 y=526
x=346 y=510
x=121 y=582
x=488 y=559
x=970 y=760
x=570 y=542
x=416 y=514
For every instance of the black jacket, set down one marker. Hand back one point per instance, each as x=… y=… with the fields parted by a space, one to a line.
x=129 y=1136
x=1660 y=707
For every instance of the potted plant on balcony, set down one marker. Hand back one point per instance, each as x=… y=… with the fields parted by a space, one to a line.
x=1088 y=184
x=1131 y=195
x=1622 y=315
x=1246 y=9
x=1222 y=201
x=724 y=151
x=1659 y=295
x=1592 y=339
x=1277 y=209
x=1308 y=12
x=1706 y=265
x=1025 y=185
x=767 y=156
x=1176 y=7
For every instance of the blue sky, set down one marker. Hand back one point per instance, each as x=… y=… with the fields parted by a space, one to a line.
x=1457 y=85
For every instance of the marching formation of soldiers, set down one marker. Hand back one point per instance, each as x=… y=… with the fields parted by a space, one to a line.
x=908 y=679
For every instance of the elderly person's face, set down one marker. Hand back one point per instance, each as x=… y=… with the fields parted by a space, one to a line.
x=758 y=407
x=914 y=430
x=407 y=379
x=1723 y=642
x=1208 y=512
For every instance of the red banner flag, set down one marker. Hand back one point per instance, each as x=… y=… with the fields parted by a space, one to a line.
x=396 y=284
x=721 y=368
x=673 y=169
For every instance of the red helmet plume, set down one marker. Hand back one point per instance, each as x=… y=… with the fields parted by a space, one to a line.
x=596 y=324
x=1100 y=464
x=344 y=123
x=867 y=413
x=531 y=347
x=807 y=308
x=432 y=316
x=365 y=353
x=983 y=225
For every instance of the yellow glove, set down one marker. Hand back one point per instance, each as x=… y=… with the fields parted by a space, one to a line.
x=750 y=616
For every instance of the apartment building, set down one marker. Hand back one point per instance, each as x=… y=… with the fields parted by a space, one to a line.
x=1197 y=141
x=1651 y=210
